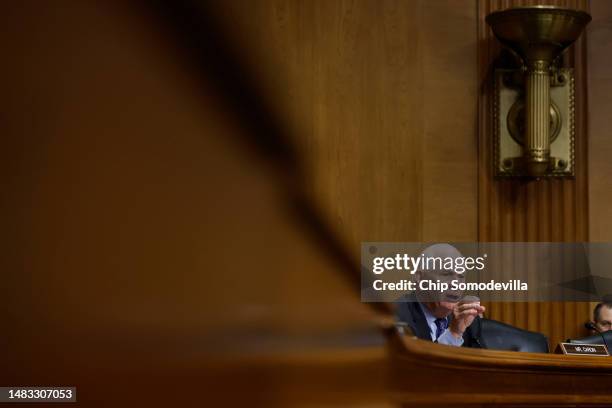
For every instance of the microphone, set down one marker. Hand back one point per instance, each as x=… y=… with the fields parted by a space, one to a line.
x=478 y=332
x=477 y=322
x=591 y=326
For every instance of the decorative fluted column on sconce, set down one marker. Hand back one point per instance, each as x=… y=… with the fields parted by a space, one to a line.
x=537 y=126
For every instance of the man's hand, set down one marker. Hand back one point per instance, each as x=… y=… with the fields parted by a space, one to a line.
x=463 y=316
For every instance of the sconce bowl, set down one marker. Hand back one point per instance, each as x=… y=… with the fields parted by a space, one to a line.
x=538 y=33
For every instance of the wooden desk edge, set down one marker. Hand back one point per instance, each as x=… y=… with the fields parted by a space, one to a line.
x=404 y=347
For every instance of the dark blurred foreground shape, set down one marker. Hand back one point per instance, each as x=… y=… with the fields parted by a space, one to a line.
x=185 y=187
x=156 y=244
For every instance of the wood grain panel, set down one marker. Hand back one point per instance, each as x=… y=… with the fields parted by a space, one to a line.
x=599 y=58
x=600 y=106
x=496 y=378
x=534 y=211
x=374 y=93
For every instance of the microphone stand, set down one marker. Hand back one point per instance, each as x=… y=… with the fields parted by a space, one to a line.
x=478 y=332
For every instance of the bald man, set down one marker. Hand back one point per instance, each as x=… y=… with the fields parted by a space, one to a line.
x=441 y=317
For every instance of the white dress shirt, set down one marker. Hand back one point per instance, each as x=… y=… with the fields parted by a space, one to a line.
x=446 y=337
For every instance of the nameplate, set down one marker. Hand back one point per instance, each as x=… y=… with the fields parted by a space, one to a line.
x=584 y=349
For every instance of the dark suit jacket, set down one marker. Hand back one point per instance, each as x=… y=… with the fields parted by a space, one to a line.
x=411 y=314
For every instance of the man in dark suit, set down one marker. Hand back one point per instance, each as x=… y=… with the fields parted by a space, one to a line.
x=441 y=323
x=440 y=316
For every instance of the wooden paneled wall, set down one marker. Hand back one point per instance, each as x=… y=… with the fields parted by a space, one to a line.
x=545 y=210
x=600 y=106
x=380 y=96
x=375 y=97
x=599 y=79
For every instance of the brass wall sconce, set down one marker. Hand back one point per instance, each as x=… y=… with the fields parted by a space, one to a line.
x=534 y=105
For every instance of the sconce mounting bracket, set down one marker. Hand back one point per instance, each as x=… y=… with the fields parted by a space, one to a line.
x=509 y=123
